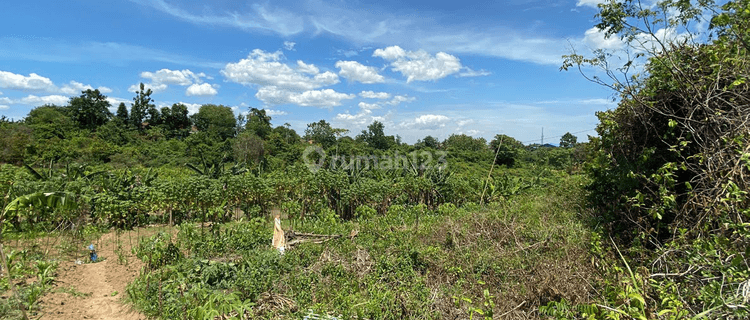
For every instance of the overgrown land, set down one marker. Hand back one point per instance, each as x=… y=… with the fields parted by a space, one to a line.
x=646 y=220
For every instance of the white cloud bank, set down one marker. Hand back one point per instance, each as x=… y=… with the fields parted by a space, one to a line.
x=419 y=65
x=374 y=95
x=326 y=98
x=356 y=71
x=203 y=89
x=265 y=69
x=36 y=83
x=426 y=122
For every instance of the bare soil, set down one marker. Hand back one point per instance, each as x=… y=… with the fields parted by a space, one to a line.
x=86 y=290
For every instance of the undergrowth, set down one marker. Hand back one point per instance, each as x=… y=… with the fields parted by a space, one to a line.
x=501 y=260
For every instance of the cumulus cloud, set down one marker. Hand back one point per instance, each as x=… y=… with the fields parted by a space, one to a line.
x=4 y=107
x=326 y=98
x=374 y=95
x=368 y=106
x=155 y=87
x=288 y=45
x=75 y=88
x=114 y=102
x=32 y=82
x=307 y=68
x=177 y=77
x=419 y=65
x=356 y=71
x=203 y=89
x=596 y=39
x=33 y=100
x=359 y=119
x=273 y=113
x=399 y=99
x=427 y=121
x=265 y=69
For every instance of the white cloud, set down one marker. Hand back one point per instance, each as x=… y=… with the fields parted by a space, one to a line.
x=178 y=77
x=32 y=82
x=192 y=107
x=75 y=88
x=356 y=71
x=399 y=99
x=368 y=106
x=467 y=72
x=273 y=113
x=361 y=118
x=589 y=3
x=325 y=98
x=420 y=65
x=263 y=68
x=307 y=68
x=390 y=53
x=288 y=45
x=595 y=39
x=203 y=89
x=427 y=121
x=4 y=107
x=374 y=95
x=33 y=100
x=154 y=87
x=115 y=102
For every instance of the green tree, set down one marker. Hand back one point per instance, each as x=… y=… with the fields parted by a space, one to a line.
x=258 y=123
x=321 y=132
x=428 y=142
x=50 y=121
x=142 y=103
x=122 y=114
x=375 y=136
x=90 y=110
x=568 y=140
x=669 y=151
x=462 y=142
x=15 y=139
x=216 y=120
x=176 y=120
x=506 y=149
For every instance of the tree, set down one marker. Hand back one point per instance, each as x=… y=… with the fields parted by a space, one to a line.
x=216 y=120
x=375 y=136
x=667 y=157
x=90 y=110
x=141 y=106
x=176 y=120
x=321 y=132
x=258 y=123
x=50 y=121
x=568 y=140
x=428 y=142
x=462 y=142
x=122 y=114
x=248 y=148
x=506 y=149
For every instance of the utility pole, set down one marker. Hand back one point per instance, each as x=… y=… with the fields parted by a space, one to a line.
x=542 y=136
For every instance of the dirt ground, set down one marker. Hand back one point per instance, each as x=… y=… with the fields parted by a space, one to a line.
x=96 y=290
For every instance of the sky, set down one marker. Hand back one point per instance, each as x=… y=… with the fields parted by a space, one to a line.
x=421 y=67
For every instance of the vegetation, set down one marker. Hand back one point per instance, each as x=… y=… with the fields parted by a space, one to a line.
x=645 y=221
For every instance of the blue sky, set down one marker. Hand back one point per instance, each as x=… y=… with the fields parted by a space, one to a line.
x=422 y=68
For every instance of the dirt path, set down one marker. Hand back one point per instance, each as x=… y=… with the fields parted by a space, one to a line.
x=96 y=290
